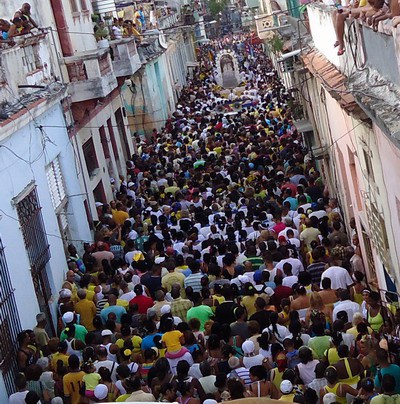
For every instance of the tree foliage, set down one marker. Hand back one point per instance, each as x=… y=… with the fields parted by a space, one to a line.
x=216 y=6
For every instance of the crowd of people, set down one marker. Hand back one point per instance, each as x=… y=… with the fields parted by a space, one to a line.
x=221 y=270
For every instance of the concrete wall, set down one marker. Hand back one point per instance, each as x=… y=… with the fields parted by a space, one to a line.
x=15 y=176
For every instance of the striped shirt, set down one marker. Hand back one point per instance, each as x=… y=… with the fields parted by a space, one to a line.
x=315 y=270
x=194 y=280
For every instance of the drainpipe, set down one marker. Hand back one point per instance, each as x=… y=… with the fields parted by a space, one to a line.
x=62 y=28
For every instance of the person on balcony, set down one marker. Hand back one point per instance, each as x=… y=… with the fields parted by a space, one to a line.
x=25 y=13
x=140 y=20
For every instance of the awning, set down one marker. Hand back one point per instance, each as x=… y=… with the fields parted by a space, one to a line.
x=192 y=64
x=334 y=81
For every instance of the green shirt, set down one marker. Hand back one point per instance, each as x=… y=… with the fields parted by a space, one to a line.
x=385 y=399
x=80 y=333
x=203 y=313
x=319 y=345
x=393 y=370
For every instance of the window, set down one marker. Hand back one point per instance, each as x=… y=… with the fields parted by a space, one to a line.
x=84 y=5
x=122 y=133
x=368 y=165
x=9 y=325
x=37 y=247
x=113 y=141
x=104 y=142
x=56 y=183
x=90 y=158
x=74 y=6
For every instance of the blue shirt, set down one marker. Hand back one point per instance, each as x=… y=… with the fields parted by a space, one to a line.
x=118 y=310
x=148 y=341
x=393 y=370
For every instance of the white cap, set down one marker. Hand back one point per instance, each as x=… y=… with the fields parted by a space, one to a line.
x=165 y=309
x=65 y=293
x=269 y=291
x=243 y=278
x=329 y=398
x=210 y=401
x=131 y=184
x=286 y=387
x=68 y=317
x=248 y=347
x=101 y=391
x=98 y=204
x=159 y=260
x=106 y=333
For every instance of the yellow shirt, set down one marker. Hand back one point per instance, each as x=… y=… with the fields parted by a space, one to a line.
x=248 y=303
x=59 y=357
x=172 y=340
x=173 y=277
x=87 y=310
x=120 y=302
x=120 y=216
x=287 y=397
x=72 y=383
x=136 y=341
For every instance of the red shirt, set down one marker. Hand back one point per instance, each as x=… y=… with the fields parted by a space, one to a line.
x=143 y=303
x=281 y=292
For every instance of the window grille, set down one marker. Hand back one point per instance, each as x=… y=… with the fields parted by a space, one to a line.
x=9 y=326
x=37 y=247
x=56 y=183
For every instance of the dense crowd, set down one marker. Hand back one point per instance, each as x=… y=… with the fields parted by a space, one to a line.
x=221 y=270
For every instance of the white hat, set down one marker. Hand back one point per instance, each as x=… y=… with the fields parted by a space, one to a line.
x=101 y=391
x=286 y=387
x=106 y=333
x=65 y=293
x=131 y=184
x=98 y=204
x=269 y=291
x=165 y=309
x=43 y=362
x=243 y=278
x=159 y=260
x=112 y=181
x=68 y=317
x=210 y=401
x=329 y=398
x=248 y=347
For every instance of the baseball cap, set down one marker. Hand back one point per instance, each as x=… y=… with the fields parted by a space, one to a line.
x=281 y=239
x=68 y=317
x=65 y=293
x=159 y=260
x=257 y=277
x=329 y=398
x=101 y=391
x=131 y=184
x=106 y=333
x=248 y=347
x=286 y=387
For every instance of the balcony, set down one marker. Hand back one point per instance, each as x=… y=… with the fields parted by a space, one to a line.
x=125 y=58
x=168 y=21
x=91 y=74
x=25 y=67
x=370 y=63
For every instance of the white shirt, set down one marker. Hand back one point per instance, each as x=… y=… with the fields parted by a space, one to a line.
x=297 y=266
x=283 y=332
x=348 y=306
x=340 y=278
x=18 y=397
x=289 y=281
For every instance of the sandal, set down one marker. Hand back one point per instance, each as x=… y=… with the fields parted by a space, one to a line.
x=336 y=44
x=340 y=52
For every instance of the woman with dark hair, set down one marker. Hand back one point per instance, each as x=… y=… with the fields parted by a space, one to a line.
x=186 y=390
x=105 y=375
x=260 y=386
x=377 y=315
x=158 y=375
x=278 y=331
x=333 y=386
x=331 y=354
x=306 y=368
x=236 y=389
